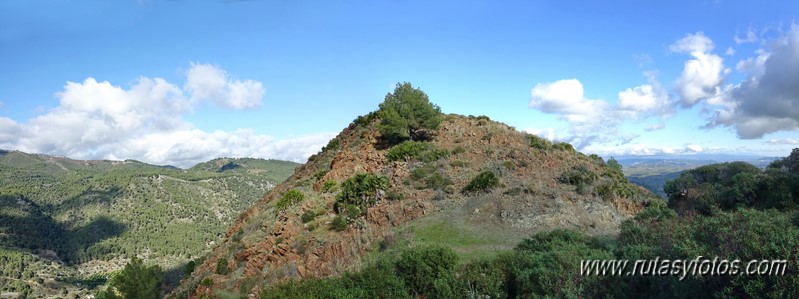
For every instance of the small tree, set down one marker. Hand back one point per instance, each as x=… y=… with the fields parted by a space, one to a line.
x=405 y=112
x=613 y=164
x=135 y=281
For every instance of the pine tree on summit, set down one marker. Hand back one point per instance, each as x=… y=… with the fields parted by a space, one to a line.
x=406 y=113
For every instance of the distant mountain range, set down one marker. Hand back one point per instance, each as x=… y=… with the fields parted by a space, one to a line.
x=70 y=222
x=652 y=172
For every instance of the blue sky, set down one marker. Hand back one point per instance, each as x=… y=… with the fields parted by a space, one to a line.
x=179 y=82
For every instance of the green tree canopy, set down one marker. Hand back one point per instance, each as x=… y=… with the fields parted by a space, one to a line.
x=135 y=281
x=406 y=112
x=613 y=164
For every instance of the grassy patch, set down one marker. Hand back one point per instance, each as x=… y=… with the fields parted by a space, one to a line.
x=469 y=245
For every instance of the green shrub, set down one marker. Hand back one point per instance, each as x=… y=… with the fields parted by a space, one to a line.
x=364 y=120
x=458 y=150
x=308 y=216
x=222 y=267
x=538 y=142
x=437 y=181
x=332 y=145
x=508 y=165
x=565 y=146
x=393 y=195
x=484 y=181
x=361 y=190
x=578 y=175
x=419 y=173
x=207 y=282
x=352 y=212
x=319 y=174
x=378 y=280
x=433 y=154
x=329 y=186
x=338 y=224
x=459 y=163
x=420 y=267
x=189 y=267
x=546 y=266
x=289 y=198
x=407 y=149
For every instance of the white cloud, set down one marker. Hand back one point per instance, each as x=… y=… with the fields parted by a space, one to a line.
x=749 y=37
x=694 y=148
x=208 y=82
x=98 y=120
x=596 y=120
x=654 y=127
x=702 y=75
x=564 y=97
x=786 y=141
x=696 y=42
x=639 y=98
x=730 y=51
x=768 y=99
x=9 y=132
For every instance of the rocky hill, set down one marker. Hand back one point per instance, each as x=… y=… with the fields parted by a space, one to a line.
x=65 y=224
x=472 y=184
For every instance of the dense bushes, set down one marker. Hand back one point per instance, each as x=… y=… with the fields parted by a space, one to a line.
x=538 y=142
x=580 y=177
x=363 y=189
x=358 y=193
x=727 y=186
x=577 y=176
x=422 y=151
x=549 y=263
x=485 y=181
x=379 y=280
x=406 y=149
x=329 y=186
x=422 y=267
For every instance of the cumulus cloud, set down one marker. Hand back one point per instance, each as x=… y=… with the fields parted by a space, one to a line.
x=98 y=120
x=702 y=75
x=596 y=120
x=768 y=99
x=208 y=82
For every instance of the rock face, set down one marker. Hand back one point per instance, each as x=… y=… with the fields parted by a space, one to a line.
x=266 y=245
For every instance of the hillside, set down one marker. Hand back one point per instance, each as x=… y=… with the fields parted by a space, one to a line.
x=473 y=185
x=74 y=221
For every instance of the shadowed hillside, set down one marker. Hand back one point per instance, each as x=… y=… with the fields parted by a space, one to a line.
x=90 y=217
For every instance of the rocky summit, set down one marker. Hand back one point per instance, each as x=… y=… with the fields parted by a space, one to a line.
x=473 y=184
